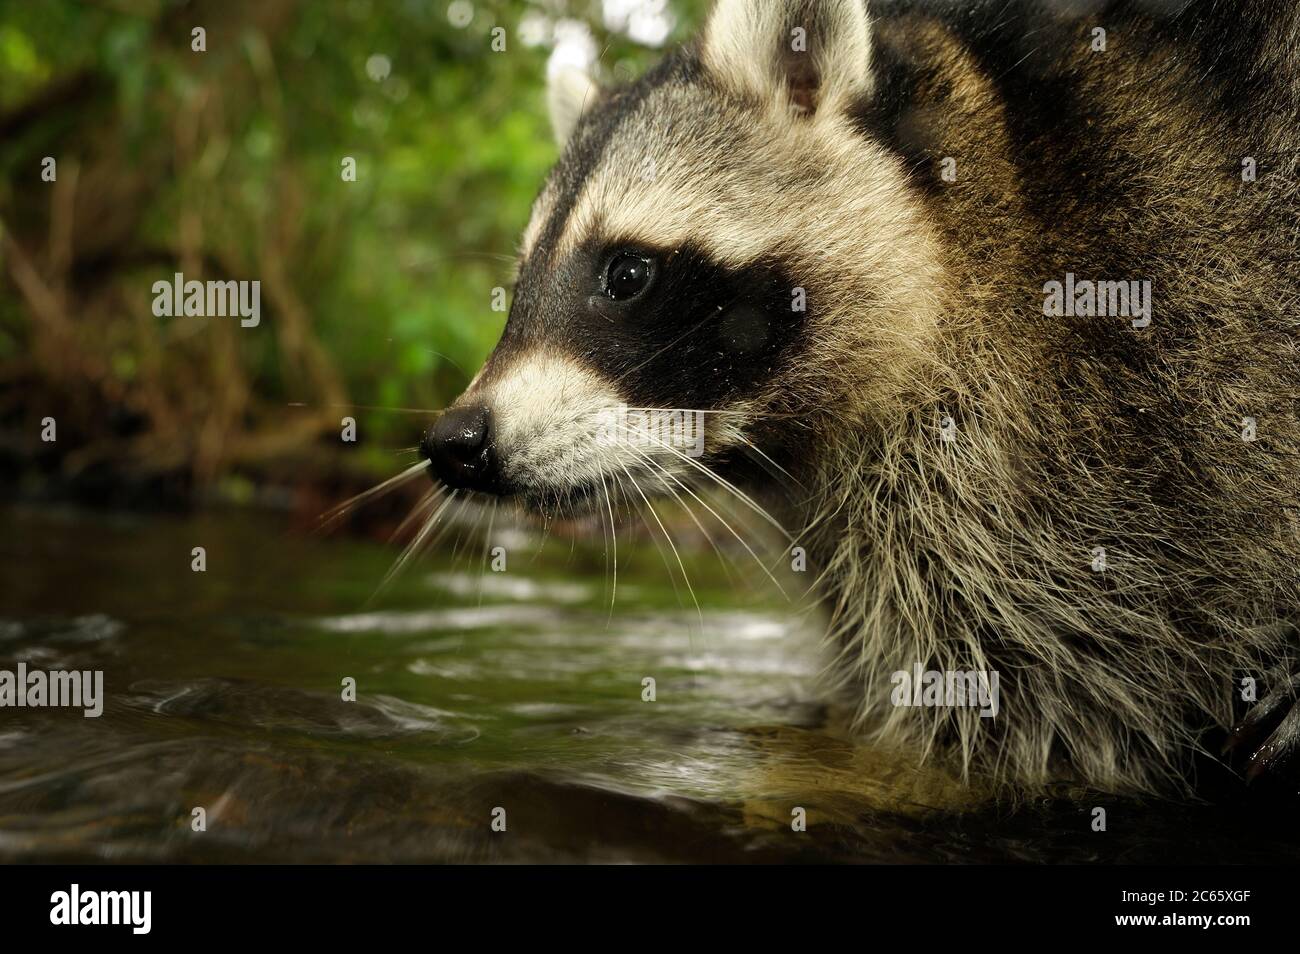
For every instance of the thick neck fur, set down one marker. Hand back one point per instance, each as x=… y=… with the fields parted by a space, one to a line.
x=959 y=528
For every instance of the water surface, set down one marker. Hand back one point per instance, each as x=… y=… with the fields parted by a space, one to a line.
x=476 y=691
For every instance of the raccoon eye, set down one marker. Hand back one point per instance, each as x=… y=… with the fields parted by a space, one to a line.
x=628 y=276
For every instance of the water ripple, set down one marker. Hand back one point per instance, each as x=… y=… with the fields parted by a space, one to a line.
x=321 y=714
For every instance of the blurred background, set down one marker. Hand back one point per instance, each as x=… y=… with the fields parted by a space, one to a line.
x=377 y=294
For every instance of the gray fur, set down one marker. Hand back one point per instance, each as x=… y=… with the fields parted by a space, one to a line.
x=1068 y=433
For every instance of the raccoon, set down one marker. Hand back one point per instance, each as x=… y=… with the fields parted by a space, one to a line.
x=998 y=302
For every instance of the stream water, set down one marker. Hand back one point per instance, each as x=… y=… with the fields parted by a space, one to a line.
x=517 y=696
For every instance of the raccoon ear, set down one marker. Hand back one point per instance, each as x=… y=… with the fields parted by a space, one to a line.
x=815 y=55
x=568 y=92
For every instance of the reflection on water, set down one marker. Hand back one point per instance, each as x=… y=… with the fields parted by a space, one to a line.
x=474 y=691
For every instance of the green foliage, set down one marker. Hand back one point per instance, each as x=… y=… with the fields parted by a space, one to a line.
x=233 y=157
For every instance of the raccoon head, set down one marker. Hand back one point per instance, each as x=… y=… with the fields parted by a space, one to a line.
x=721 y=260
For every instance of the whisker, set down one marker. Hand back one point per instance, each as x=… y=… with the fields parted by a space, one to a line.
x=375 y=407
x=672 y=577
x=755 y=448
x=425 y=504
x=682 y=566
x=414 y=545
x=613 y=536
x=722 y=559
x=722 y=482
x=487 y=549
x=335 y=513
x=739 y=538
x=453 y=520
x=461 y=529
x=746 y=413
x=689 y=410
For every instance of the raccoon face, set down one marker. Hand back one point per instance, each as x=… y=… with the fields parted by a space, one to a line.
x=720 y=256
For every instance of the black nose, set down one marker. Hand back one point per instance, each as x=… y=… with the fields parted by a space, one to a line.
x=459 y=445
